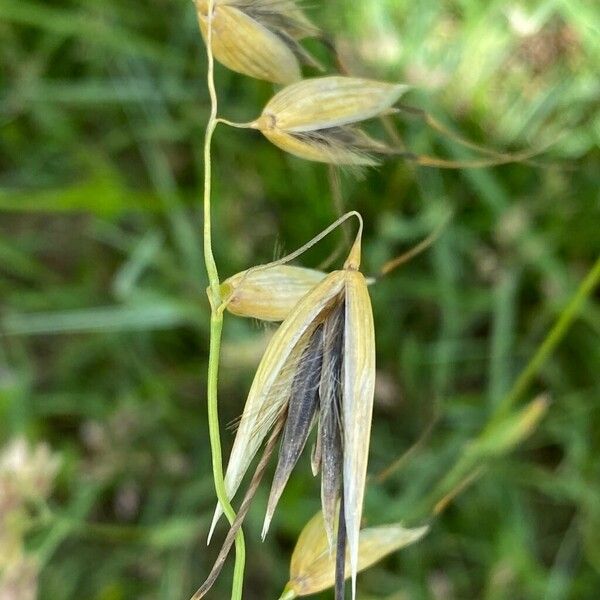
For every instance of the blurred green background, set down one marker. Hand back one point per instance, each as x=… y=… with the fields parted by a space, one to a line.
x=104 y=319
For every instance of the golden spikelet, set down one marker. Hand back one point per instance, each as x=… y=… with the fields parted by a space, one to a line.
x=268 y=294
x=320 y=363
x=312 y=568
x=313 y=119
x=272 y=383
x=258 y=38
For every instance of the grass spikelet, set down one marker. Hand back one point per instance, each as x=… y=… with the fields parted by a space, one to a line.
x=325 y=346
x=312 y=568
x=313 y=119
x=288 y=341
x=259 y=38
x=268 y=294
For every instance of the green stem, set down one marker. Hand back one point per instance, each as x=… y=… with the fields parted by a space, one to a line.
x=555 y=335
x=464 y=471
x=216 y=328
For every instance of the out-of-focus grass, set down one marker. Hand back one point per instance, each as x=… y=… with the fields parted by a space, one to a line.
x=104 y=318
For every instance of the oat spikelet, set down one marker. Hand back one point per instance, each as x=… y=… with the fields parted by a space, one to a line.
x=312 y=567
x=321 y=357
x=357 y=405
x=314 y=118
x=259 y=38
x=268 y=294
x=272 y=383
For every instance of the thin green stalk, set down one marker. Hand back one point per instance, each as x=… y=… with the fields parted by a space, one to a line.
x=470 y=465
x=216 y=328
x=555 y=335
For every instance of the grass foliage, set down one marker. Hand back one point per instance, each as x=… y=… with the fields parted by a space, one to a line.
x=104 y=319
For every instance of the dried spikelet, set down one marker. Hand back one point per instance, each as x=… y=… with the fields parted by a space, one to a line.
x=312 y=567
x=272 y=383
x=268 y=294
x=322 y=356
x=313 y=118
x=259 y=38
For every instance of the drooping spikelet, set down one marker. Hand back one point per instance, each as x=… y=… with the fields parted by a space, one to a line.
x=314 y=119
x=312 y=567
x=268 y=294
x=321 y=361
x=259 y=38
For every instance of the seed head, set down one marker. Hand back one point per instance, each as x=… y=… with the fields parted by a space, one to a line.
x=321 y=361
x=314 y=118
x=259 y=38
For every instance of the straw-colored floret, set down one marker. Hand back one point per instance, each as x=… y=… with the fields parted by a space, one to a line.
x=312 y=568
x=319 y=365
x=258 y=38
x=314 y=119
x=268 y=294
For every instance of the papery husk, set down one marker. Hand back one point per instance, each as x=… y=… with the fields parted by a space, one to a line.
x=329 y=435
x=268 y=294
x=302 y=407
x=272 y=382
x=356 y=149
x=324 y=102
x=246 y=46
x=270 y=393
x=357 y=405
x=312 y=567
x=312 y=119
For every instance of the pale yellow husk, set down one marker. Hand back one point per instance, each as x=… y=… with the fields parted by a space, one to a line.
x=246 y=46
x=357 y=405
x=271 y=385
x=312 y=568
x=324 y=102
x=330 y=153
x=268 y=294
x=312 y=119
